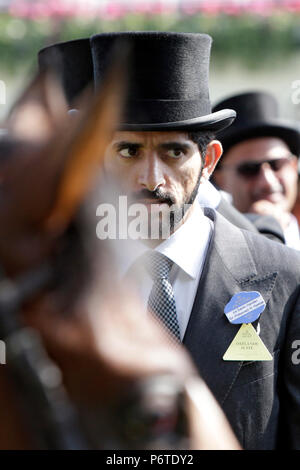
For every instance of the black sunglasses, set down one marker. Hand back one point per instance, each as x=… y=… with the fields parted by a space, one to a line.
x=251 y=169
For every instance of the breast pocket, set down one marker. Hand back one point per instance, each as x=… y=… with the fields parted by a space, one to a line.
x=257 y=370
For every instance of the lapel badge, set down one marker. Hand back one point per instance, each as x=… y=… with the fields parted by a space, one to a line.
x=243 y=309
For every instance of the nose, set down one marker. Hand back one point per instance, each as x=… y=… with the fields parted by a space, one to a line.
x=151 y=175
x=267 y=178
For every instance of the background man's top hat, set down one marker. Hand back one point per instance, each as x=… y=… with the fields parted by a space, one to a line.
x=257 y=116
x=72 y=62
x=167 y=77
x=168 y=80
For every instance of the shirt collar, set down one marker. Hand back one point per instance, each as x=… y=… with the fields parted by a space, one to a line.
x=208 y=195
x=187 y=246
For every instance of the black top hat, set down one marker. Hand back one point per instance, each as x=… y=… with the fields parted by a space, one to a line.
x=168 y=80
x=168 y=77
x=257 y=116
x=72 y=61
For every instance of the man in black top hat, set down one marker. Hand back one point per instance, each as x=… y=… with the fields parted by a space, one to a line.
x=164 y=149
x=72 y=61
x=260 y=161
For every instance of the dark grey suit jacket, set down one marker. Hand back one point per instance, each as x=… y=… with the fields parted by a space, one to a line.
x=260 y=399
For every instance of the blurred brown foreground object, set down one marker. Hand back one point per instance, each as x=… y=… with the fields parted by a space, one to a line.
x=85 y=369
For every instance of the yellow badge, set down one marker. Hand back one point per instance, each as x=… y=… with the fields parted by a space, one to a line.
x=247 y=346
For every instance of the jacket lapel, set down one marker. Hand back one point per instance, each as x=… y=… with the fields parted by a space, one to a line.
x=229 y=268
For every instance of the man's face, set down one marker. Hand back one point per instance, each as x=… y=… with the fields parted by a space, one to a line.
x=157 y=169
x=260 y=169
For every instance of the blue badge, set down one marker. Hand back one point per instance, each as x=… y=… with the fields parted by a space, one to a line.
x=245 y=307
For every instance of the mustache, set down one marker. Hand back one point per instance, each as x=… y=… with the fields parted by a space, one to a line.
x=156 y=194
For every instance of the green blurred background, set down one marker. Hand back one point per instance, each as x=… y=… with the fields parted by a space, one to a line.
x=256 y=44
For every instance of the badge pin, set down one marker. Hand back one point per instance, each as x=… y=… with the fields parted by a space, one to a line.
x=244 y=308
x=247 y=346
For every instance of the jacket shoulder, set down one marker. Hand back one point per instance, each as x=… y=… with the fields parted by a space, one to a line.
x=272 y=254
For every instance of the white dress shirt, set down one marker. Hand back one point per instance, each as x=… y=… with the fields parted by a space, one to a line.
x=187 y=248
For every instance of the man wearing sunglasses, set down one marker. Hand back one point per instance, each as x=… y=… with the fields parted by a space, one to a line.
x=260 y=161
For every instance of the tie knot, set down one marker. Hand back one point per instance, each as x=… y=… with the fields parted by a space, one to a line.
x=158 y=265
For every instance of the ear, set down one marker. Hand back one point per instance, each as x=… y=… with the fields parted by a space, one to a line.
x=294 y=162
x=213 y=153
x=39 y=111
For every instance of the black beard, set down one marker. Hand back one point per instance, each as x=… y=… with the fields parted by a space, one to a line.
x=176 y=214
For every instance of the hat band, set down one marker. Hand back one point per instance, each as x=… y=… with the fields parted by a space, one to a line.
x=159 y=110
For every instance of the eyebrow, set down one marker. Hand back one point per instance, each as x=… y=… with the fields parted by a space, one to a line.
x=125 y=144
x=185 y=146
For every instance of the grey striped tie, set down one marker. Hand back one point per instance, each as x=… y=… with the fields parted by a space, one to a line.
x=161 y=299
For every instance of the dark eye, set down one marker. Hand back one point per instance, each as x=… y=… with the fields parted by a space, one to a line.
x=128 y=152
x=175 y=153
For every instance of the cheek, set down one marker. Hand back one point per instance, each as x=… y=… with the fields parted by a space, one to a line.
x=233 y=182
x=111 y=164
x=289 y=180
x=241 y=189
x=118 y=171
x=189 y=175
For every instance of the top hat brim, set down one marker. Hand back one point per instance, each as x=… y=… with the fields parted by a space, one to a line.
x=283 y=130
x=213 y=122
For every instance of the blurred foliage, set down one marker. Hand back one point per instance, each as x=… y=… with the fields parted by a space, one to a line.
x=253 y=40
